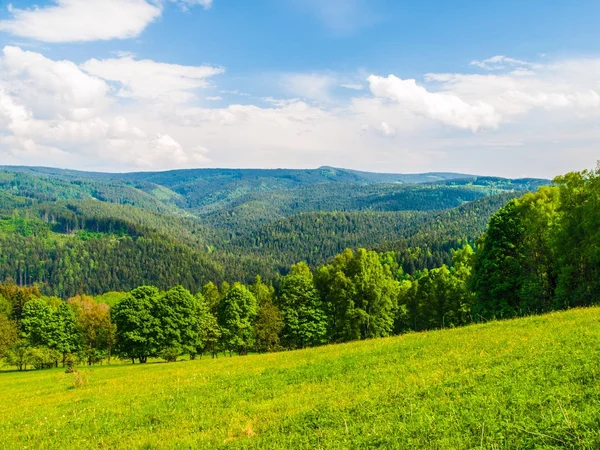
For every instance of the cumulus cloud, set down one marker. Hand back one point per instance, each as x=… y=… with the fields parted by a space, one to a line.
x=52 y=88
x=150 y=79
x=82 y=20
x=445 y=107
x=126 y=114
x=54 y=108
x=88 y=20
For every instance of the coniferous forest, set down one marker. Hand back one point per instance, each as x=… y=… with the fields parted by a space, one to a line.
x=138 y=266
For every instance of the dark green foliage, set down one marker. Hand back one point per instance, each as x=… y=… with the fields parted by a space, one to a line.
x=403 y=257
x=268 y=326
x=541 y=252
x=67 y=230
x=14 y=298
x=177 y=314
x=498 y=271
x=514 y=270
x=577 y=239
x=137 y=327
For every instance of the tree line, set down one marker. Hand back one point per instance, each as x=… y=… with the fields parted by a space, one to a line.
x=358 y=295
x=541 y=252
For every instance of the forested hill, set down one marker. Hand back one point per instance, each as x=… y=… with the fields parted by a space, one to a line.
x=75 y=232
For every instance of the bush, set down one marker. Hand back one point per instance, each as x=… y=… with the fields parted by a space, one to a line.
x=43 y=357
x=169 y=354
x=70 y=363
x=19 y=355
x=80 y=379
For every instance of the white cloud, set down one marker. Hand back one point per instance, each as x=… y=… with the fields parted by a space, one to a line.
x=501 y=62
x=152 y=80
x=354 y=87
x=310 y=86
x=214 y=98
x=82 y=20
x=53 y=108
x=445 y=107
x=235 y=92
x=88 y=20
x=187 y=4
x=52 y=88
x=125 y=114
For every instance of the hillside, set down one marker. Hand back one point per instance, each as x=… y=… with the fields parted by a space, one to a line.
x=525 y=383
x=318 y=236
x=75 y=232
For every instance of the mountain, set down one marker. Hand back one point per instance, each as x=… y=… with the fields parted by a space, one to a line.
x=76 y=231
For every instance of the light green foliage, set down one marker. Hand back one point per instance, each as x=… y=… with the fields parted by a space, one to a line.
x=210 y=293
x=94 y=326
x=52 y=327
x=237 y=312
x=19 y=354
x=207 y=329
x=110 y=298
x=262 y=292
x=541 y=251
x=360 y=294
x=302 y=308
x=484 y=386
x=43 y=357
x=5 y=307
x=8 y=334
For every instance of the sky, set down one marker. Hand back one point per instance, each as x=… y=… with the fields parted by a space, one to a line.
x=506 y=88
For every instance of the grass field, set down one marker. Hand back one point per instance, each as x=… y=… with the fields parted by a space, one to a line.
x=527 y=383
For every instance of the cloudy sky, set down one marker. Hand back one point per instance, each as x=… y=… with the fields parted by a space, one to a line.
x=508 y=87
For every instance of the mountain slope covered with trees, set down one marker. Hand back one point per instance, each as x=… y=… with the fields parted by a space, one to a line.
x=73 y=232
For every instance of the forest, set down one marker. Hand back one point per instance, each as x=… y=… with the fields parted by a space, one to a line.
x=538 y=251
x=74 y=232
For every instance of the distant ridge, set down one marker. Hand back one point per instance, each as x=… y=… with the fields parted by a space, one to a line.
x=320 y=174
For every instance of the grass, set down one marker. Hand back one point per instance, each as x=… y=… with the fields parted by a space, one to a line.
x=526 y=383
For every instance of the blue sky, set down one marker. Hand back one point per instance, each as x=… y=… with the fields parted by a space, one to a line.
x=496 y=87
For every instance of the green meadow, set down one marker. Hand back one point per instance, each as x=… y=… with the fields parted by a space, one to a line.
x=527 y=383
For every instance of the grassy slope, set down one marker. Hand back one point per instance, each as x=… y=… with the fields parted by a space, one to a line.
x=528 y=383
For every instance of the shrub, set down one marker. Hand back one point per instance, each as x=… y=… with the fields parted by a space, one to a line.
x=70 y=363
x=43 y=357
x=19 y=355
x=169 y=354
x=80 y=379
